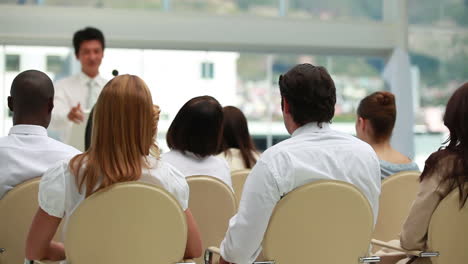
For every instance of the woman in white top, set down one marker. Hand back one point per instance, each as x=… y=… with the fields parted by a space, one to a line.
x=238 y=147
x=122 y=149
x=194 y=138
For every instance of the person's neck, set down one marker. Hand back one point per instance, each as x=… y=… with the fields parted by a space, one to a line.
x=382 y=147
x=91 y=75
x=30 y=121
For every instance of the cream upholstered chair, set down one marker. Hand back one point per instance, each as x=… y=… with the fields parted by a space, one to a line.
x=325 y=222
x=129 y=222
x=212 y=204
x=238 y=178
x=17 y=209
x=397 y=195
x=447 y=235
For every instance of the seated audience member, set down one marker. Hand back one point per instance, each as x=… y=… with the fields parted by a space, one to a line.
x=27 y=152
x=375 y=122
x=237 y=147
x=122 y=149
x=314 y=152
x=444 y=171
x=194 y=138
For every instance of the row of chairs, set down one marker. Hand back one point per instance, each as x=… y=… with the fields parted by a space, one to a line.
x=337 y=228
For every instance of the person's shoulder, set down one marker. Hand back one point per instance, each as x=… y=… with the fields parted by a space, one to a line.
x=278 y=150
x=170 y=153
x=59 y=168
x=218 y=159
x=441 y=156
x=166 y=173
x=4 y=141
x=62 y=147
x=354 y=142
x=163 y=169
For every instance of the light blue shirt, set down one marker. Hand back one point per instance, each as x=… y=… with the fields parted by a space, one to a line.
x=388 y=168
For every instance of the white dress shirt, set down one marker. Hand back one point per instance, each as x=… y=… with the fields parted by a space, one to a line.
x=59 y=195
x=234 y=158
x=27 y=152
x=312 y=153
x=78 y=88
x=190 y=164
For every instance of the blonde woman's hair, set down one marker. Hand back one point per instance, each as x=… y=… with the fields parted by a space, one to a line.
x=124 y=133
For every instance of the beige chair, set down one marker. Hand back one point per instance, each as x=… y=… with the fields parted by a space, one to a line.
x=238 y=178
x=17 y=209
x=447 y=235
x=397 y=196
x=127 y=223
x=212 y=204
x=326 y=222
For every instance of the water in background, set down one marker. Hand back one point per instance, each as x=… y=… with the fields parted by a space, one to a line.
x=425 y=144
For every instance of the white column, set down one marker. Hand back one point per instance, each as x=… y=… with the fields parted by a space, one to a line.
x=399 y=77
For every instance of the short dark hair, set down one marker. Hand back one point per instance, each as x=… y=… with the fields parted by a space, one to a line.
x=197 y=127
x=310 y=92
x=31 y=91
x=380 y=109
x=88 y=33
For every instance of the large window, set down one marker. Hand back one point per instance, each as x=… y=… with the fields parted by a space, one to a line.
x=246 y=80
x=438 y=44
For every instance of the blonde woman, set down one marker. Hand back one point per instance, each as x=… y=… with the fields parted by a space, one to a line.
x=122 y=149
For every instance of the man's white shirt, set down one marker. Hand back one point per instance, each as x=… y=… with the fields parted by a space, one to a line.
x=27 y=152
x=68 y=93
x=312 y=153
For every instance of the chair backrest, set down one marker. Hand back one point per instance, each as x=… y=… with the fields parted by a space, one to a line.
x=448 y=231
x=238 y=178
x=129 y=222
x=212 y=204
x=323 y=222
x=17 y=209
x=398 y=193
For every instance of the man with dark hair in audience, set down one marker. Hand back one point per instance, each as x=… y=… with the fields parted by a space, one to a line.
x=77 y=94
x=27 y=152
x=314 y=152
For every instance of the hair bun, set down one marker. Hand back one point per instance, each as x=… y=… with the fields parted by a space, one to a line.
x=386 y=98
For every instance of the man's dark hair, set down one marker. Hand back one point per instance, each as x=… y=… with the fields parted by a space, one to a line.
x=88 y=33
x=31 y=92
x=197 y=127
x=310 y=93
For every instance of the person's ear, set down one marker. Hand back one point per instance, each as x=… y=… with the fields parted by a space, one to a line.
x=10 y=103
x=286 y=108
x=363 y=124
x=50 y=105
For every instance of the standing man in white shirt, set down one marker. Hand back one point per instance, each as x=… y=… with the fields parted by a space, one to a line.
x=27 y=152
x=78 y=93
x=314 y=152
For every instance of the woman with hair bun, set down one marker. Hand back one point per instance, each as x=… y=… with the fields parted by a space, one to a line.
x=376 y=117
